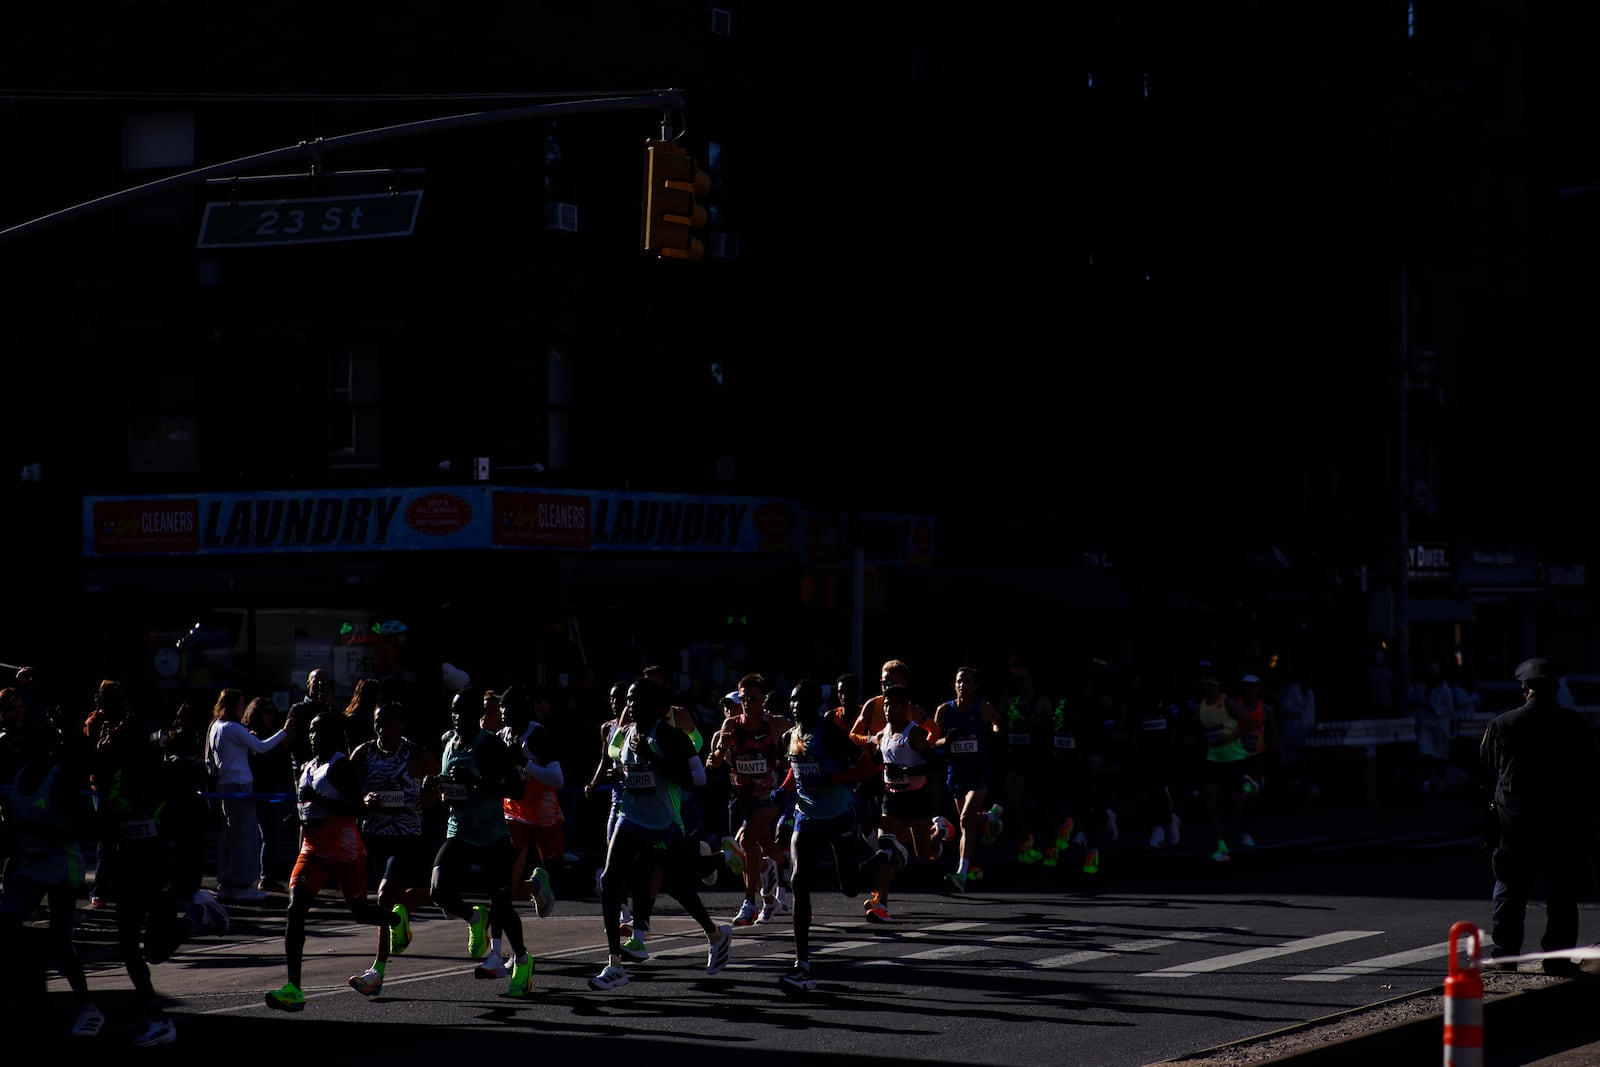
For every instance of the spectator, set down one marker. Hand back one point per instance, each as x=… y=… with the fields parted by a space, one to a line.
x=1541 y=757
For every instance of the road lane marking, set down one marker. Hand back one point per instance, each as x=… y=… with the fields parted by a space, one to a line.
x=1255 y=955
x=1439 y=952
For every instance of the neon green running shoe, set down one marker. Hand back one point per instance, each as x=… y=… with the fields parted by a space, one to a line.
x=521 y=978
x=289 y=998
x=544 y=901
x=478 y=934
x=400 y=932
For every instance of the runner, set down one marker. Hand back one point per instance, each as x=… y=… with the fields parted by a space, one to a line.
x=328 y=799
x=391 y=768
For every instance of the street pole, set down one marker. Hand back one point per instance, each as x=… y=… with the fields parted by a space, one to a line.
x=1403 y=583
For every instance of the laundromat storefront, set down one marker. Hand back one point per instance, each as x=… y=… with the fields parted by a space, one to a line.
x=254 y=589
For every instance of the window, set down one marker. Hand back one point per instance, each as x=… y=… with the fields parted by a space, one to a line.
x=353 y=411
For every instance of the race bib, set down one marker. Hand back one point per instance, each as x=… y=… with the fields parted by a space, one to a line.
x=1019 y=740
x=391 y=798
x=453 y=790
x=965 y=747
x=1152 y=725
x=640 y=780
x=808 y=771
x=1067 y=742
x=138 y=829
x=750 y=766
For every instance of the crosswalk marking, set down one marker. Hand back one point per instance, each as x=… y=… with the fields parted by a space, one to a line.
x=1239 y=959
x=1071 y=959
x=1439 y=953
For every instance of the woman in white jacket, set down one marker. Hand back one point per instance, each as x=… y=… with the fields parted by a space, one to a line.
x=229 y=744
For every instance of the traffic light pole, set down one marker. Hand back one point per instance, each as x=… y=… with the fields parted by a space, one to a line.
x=664 y=101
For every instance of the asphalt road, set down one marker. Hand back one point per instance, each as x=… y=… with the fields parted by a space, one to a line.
x=1159 y=955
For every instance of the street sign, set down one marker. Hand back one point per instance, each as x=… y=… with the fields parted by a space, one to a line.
x=312 y=221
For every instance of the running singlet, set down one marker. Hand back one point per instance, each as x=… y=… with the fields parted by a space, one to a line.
x=325 y=832
x=44 y=850
x=1222 y=740
x=753 y=763
x=399 y=810
x=967 y=741
x=476 y=814
x=903 y=766
x=816 y=757
x=1252 y=727
x=646 y=799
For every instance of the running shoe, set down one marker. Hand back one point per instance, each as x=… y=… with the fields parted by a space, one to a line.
x=610 y=978
x=90 y=1022
x=879 y=914
x=633 y=950
x=1052 y=856
x=780 y=900
x=478 y=934
x=799 y=979
x=1064 y=835
x=544 y=901
x=207 y=915
x=1091 y=861
x=159 y=1032
x=521 y=978
x=400 y=932
x=1158 y=836
x=943 y=829
x=892 y=850
x=1247 y=841
x=710 y=877
x=735 y=855
x=956 y=882
x=769 y=910
x=641 y=930
x=368 y=983
x=1221 y=854
x=747 y=913
x=992 y=826
x=873 y=900
x=493 y=967
x=1026 y=853
x=974 y=873
x=721 y=948
x=289 y=998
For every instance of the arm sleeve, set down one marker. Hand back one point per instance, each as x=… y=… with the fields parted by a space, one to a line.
x=549 y=775
x=697 y=771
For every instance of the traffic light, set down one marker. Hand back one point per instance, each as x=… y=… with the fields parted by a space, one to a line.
x=672 y=181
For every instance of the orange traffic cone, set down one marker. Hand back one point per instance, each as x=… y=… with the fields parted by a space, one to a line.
x=1463 y=1002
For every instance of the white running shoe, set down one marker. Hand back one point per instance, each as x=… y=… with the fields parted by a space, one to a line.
x=769 y=910
x=747 y=913
x=160 y=1032
x=369 y=983
x=610 y=978
x=1158 y=836
x=1247 y=841
x=493 y=967
x=721 y=949
x=90 y=1022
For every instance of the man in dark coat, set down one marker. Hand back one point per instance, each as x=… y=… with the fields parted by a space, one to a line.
x=1539 y=756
